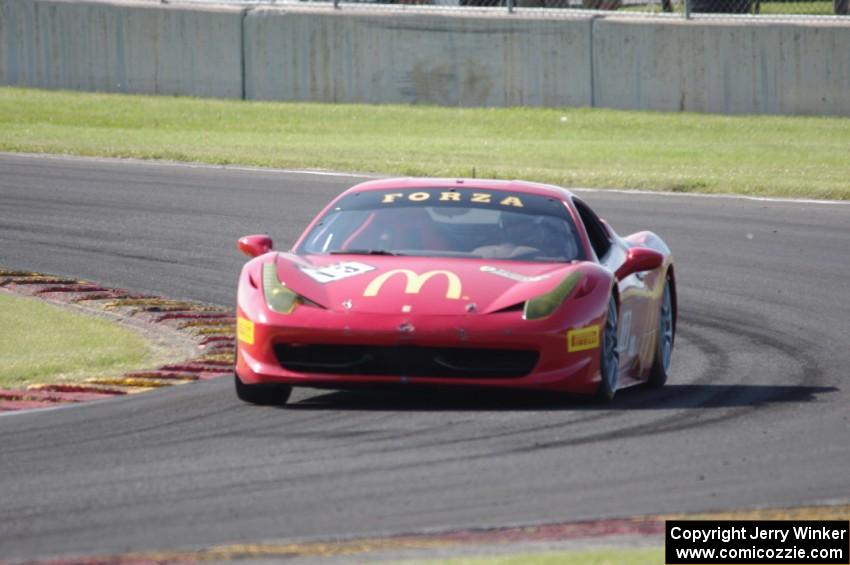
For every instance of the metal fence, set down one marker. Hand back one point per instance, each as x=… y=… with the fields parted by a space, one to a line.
x=684 y=7
x=773 y=9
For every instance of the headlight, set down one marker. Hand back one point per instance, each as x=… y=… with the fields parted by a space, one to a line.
x=546 y=304
x=278 y=297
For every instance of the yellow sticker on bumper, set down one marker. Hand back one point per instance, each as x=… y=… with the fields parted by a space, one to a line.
x=583 y=339
x=245 y=331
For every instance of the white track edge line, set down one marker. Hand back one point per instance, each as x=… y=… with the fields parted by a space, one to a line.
x=194 y=165
x=707 y=195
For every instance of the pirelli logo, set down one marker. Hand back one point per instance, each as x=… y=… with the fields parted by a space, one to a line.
x=583 y=339
x=415 y=282
x=245 y=331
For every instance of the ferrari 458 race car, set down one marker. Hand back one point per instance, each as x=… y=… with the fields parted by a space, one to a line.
x=455 y=282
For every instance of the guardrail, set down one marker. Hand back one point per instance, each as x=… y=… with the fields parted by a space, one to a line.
x=776 y=9
x=413 y=54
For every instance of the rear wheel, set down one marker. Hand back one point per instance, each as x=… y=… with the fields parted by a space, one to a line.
x=609 y=365
x=263 y=394
x=664 y=344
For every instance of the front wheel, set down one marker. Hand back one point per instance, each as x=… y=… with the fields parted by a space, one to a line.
x=609 y=362
x=664 y=343
x=262 y=394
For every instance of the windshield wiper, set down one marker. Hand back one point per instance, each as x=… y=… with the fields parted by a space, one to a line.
x=363 y=252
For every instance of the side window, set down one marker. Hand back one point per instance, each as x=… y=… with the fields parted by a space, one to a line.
x=596 y=232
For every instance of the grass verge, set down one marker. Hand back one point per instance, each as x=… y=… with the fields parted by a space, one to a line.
x=642 y=556
x=758 y=155
x=43 y=343
x=766 y=8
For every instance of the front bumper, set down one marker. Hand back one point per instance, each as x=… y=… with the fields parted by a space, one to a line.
x=555 y=368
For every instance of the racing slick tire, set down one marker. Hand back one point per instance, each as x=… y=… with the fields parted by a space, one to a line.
x=664 y=343
x=262 y=394
x=609 y=362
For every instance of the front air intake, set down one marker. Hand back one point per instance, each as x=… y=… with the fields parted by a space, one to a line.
x=407 y=361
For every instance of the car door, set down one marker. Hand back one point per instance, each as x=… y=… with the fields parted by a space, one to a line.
x=611 y=252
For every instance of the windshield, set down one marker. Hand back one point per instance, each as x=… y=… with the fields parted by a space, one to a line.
x=447 y=222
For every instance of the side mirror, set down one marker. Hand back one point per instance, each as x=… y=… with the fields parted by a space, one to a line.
x=255 y=245
x=639 y=259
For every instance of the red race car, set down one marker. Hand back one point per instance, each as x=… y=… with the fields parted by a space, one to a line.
x=455 y=282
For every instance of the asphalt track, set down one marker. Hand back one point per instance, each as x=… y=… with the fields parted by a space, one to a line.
x=756 y=413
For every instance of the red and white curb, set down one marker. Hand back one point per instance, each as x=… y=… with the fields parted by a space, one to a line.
x=504 y=540
x=211 y=328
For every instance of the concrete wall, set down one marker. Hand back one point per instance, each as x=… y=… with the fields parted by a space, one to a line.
x=144 y=48
x=304 y=53
x=715 y=66
x=416 y=58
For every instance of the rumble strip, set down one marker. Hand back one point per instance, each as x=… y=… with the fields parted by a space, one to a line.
x=484 y=541
x=208 y=330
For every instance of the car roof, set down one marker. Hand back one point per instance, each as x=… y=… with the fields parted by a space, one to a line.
x=525 y=187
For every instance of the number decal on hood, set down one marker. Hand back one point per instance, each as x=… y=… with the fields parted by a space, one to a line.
x=337 y=271
x=511 y=275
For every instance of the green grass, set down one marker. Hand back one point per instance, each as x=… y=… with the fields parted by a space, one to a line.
x=760 y=155
x=43 y=343
x=643 y=556
x=797 y=8
x=771 y=8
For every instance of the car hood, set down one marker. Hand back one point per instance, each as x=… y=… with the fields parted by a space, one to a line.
x=417 y=285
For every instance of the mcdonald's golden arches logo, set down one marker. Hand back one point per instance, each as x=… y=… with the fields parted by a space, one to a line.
x=415 y=282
